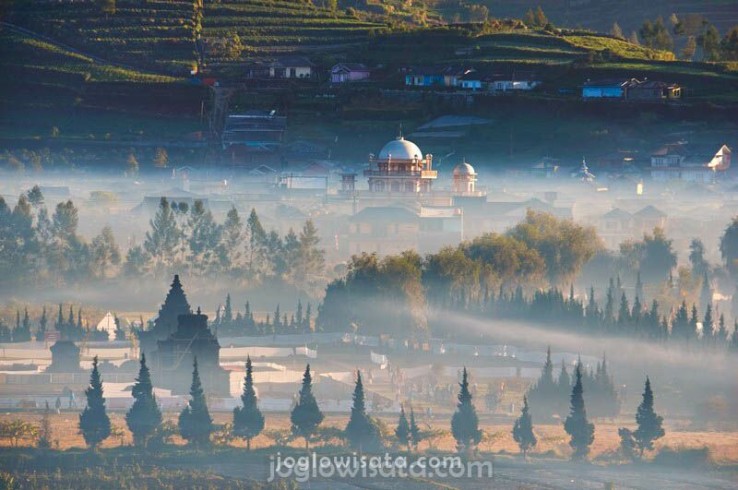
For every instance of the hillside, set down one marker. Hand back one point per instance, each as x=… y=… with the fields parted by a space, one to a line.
x=599 y=15
x=160 y=34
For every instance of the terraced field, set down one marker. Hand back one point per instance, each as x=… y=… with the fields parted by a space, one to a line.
x=159 y=35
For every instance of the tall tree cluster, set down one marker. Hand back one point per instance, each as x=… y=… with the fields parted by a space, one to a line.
x=189 y=239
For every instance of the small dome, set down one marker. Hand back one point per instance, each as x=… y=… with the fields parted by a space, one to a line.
x=400 y=149
x=463 y=169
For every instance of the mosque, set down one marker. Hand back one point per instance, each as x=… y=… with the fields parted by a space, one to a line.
x=401 y=209
x=400 y=170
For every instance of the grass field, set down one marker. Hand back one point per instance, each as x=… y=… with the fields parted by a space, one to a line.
x=552 y=440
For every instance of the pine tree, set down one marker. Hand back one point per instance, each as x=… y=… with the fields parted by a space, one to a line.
x=306 y=416
x=94 y=423
x=195 y=424
x=227 y=311
x=709 y=333
x=248 y=421
x=722 y=333
x=42 y=323
x=361 y=431
x=544 y=394
x=415 y=435
x=649 y=424
x=624 y=313
x=576 y=424
x=609 y=313
x=693 y=321
x=144 y=417
x=402 y=431
x=523 y=430
x=464 y=423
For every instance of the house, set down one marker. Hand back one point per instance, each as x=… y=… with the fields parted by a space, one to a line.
x=631 y=89
x=607 y=89
x=614 y=227
x=513 y=85
x=518 y=81
x=439 y=227
x=254 y=129
x=449 y=76
x=474 y=80
x=651 y=90
x=384 y=230
x=349 y=72
x=691 y=163
x=291 y=67
x=649 y=218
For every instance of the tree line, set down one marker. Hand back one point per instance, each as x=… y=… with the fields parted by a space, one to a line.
x=43 y=248
x=277 y=323
x=540 y=249
x=362 y=432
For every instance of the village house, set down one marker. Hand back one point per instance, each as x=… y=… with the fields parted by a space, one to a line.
x=349 y=72
x=291 y=67
x=651 y=90
x=631 y=89
x=691 y=163
x=607 y=89
x=434 y=76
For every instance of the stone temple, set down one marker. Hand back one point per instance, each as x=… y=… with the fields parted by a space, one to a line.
x=176 y=354
x=165 y=323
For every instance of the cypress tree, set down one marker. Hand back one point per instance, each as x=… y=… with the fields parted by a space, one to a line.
x=195 y=424
x=94 y=423
x=144 y=417
x=576 y=424
x=402 y=431
x=609 y=313
x=227 y=311
x=464 y=423
x=361 y=431
x=649 y=423
x=306 y=416
x=523 y=430
x=248 y=421
x=415 y=435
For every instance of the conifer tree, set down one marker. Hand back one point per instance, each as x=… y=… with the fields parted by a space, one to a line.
x=227 y=311
x=592 y=312
x=623 y=313
x=94 y=423
x=649 y=423
x=42 y=323
x=464 y=423
x=708 y=326
x=195 y=424
x=523 y=430
x=693 y=321
x=722 y=333
x=609 y=312
x=680 y=327
x=402 y=431
x=576 y=424
x=144 y=417
x=361 y=431
x=248 y=421
x=415 y=435
x=306 y=416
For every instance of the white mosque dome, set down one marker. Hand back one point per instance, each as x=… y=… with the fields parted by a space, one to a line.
x=464 y=169
x=400 y=149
